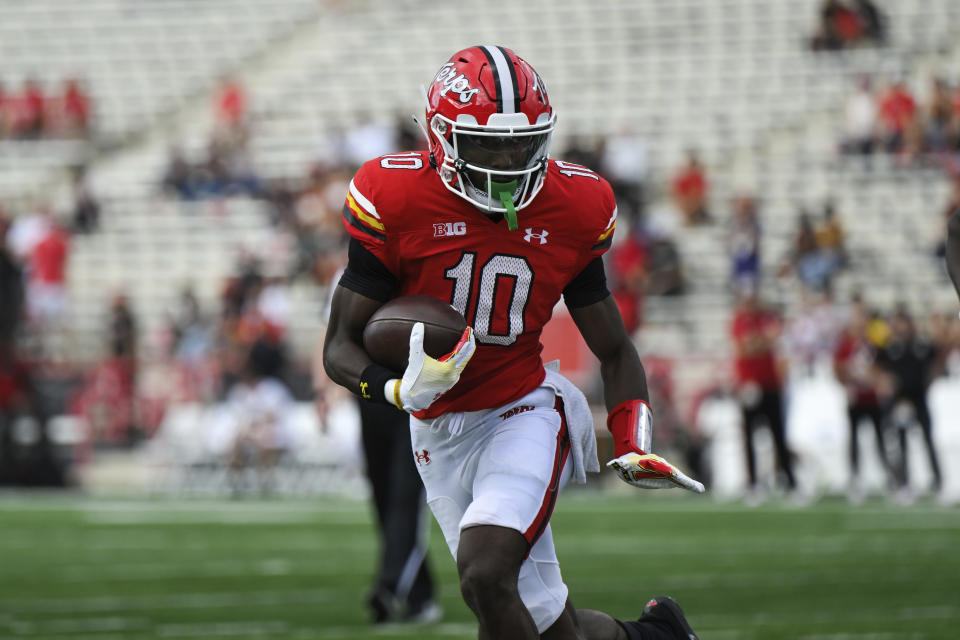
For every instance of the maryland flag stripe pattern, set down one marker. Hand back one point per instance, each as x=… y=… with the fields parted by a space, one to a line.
x=605 y=239
x=359 y=213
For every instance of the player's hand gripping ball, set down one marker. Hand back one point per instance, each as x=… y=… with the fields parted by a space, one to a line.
x=386 y=337
x=425 y=338
x=426 y=379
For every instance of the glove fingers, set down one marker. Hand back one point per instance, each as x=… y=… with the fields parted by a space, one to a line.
x=685 y=482
x=416 y=341
x=652 y=472
x=463 y=349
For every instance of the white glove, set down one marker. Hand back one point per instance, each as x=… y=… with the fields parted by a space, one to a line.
x=426 y=379
x=649 y=471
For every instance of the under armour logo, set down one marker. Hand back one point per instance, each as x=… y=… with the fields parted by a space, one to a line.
x=423 y=457
x=363 y=390
x=531 y=234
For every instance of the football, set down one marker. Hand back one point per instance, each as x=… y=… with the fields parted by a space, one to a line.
x=386 y=337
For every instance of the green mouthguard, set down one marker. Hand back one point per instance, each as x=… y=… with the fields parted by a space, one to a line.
x=504 y=191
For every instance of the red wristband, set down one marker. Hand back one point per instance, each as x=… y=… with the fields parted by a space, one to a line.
x=631 y=423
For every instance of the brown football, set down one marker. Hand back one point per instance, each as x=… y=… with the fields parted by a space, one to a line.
x=386 y=337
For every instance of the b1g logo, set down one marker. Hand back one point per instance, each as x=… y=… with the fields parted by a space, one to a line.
x=443 y=229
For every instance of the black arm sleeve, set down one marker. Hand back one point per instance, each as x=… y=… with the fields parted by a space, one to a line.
x=589 y=286
x=367 y=275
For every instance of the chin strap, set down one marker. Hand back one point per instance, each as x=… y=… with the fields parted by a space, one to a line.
x=504 y=191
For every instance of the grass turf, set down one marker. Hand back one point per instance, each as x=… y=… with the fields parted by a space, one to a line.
x=85 y=568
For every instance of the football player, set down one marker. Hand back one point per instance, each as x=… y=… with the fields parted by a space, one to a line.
x=486 y=221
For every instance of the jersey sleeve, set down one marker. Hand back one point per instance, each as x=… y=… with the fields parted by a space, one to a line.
x=360 y=216
x=604 y=239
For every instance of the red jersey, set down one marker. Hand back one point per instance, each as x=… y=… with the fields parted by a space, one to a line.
x=505 y=283
x=759 y=368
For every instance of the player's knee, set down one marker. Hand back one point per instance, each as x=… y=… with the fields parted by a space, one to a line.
x=485 y=585
x=488 y=561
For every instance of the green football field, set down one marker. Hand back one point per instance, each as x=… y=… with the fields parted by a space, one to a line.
x=92 y=568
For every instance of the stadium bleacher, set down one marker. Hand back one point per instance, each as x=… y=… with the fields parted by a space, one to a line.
x=732 y=78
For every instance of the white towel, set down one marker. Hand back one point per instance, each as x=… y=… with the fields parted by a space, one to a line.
x=583 y=440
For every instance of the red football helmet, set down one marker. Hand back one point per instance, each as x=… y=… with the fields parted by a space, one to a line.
x=488 y=126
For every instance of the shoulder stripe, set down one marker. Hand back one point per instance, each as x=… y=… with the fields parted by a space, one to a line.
x=605 y=239
x=352 y=220
x=363 y=201
x=604 y=244
x=363 y=215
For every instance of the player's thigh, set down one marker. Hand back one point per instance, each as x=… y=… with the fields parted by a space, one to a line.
x=441 y=462
x=520 y=471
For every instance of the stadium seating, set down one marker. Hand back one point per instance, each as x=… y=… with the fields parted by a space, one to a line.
x=732 y=78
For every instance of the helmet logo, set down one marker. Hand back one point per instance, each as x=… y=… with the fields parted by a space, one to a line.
x=456 y=83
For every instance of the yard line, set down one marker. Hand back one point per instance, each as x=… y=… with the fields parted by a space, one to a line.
x=202 y=600
x=841 y=614
x=77 y=625
x=443 y=630
x=222 y=629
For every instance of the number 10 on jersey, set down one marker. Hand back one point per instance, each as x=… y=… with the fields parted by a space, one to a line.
x=499 y=271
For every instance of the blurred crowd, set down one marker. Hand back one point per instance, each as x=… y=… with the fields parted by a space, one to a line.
x=893 y=118
x=886 y=364
x=847 y=24
x=235 y=350
x=34 y=112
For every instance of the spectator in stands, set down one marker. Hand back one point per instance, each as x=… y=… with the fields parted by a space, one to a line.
x=46 y=287
x=230 y=109
x=258 y=406
x=629 y=261
x=743 y=244
x=31 y=120
x=861 y=119
x=191 y=329
x=805 y=260
x=86 y=206
x=75 y=106
x=122 y=331
x=690 y=190
x=755 y=330
x=853 y=366
x=942 y=121
x=179 y=178
x=107 y=397
x=899 y=126
x=873 y=28
x=810 y=337
x=840 y=27
x=909 y=362
x=831 y=239
x=665 y=271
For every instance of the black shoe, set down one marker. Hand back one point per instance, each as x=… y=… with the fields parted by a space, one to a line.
x=382 y=606
x=662 y=619
x=665 y=612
